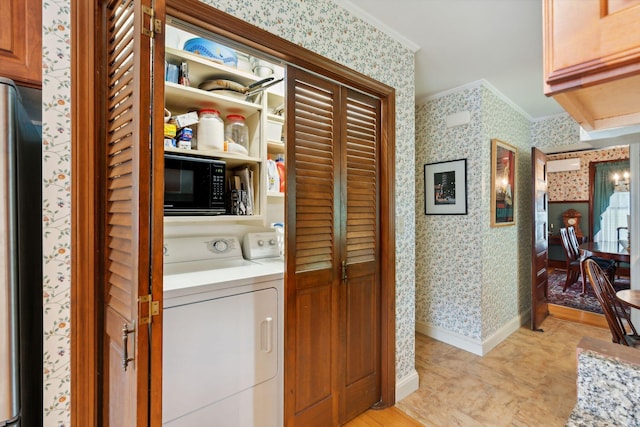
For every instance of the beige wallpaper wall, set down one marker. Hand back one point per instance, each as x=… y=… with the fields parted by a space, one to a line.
x=572 y=186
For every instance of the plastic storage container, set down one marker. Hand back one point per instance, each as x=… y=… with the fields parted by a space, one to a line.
x=274 y=131
x=210 y=130
x=236 y=131
x=213 y=50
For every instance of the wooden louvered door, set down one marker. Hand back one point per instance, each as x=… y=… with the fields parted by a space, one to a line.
x=332 y=308
x=132 y=217
x=360 y=290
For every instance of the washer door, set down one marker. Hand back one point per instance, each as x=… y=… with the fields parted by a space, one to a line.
x=219 y=348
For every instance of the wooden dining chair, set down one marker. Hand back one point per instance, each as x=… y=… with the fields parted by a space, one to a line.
x=622 y=329
x=574 y=258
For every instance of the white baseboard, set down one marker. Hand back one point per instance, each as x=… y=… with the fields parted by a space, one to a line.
x=407 y=385
x=502 y=333
x=472 y=345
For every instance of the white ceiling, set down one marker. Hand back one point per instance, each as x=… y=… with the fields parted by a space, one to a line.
x=462 y=41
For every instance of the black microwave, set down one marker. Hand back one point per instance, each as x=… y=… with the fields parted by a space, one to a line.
x=193 y=185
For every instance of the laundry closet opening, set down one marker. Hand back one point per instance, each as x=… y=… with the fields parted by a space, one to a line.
x=224 y=232
x=137 y=235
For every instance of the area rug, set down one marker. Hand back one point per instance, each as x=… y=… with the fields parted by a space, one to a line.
x=573 y=296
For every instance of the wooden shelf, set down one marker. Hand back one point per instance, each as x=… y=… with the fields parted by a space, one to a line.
x=232 y=159
x=181 y=99
x=275 y=118
x=202 y=68
x=200 y=219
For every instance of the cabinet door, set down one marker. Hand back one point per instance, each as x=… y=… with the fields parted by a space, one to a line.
x=333 y=280
x=592 y=60
x=21 y=42
x=584 y=38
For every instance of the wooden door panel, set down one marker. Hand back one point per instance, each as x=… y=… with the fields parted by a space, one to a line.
x=311 y=343
x=120 y=399
x=314 y=325
x=128 y=215
x=539 y=239
x=362 y=319
x=361 y=286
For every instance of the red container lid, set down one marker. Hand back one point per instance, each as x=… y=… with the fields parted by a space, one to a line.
x=235 y=117
x=209 y=111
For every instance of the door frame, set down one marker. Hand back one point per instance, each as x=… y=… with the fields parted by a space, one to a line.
x=85 y=295
x=85 y=340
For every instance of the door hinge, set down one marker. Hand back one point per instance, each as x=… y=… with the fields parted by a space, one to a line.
x=155 y=25
x=153 y=309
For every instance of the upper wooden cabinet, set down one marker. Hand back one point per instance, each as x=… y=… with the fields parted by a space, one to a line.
x=592 y=60
x=21 y=42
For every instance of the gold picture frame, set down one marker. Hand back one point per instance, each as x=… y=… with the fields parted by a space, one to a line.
x=503 y=183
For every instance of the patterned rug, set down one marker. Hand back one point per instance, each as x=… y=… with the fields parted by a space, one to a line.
x=573 y=296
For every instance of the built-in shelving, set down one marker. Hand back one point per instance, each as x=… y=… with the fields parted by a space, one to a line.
x=258 y=112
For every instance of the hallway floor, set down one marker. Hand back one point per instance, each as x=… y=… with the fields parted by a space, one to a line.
x=527 y=380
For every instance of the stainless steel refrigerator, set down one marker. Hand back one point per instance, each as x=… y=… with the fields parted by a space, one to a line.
x=20 y=257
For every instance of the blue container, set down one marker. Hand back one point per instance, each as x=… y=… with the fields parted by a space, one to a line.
x=213 y=50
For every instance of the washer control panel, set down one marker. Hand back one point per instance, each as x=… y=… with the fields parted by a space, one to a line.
x=223 y=245
x=260 y=245
x=201 y=248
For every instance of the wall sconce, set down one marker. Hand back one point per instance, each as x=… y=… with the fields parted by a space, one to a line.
x=621 y=184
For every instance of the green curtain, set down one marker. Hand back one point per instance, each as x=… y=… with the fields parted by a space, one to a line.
x=603 y=186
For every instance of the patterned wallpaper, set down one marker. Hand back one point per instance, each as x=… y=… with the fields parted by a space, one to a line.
x=56 y=210
x=554 y=131
x=448 y=267
x=572 y=186
x=467 y=277
x=505 y=253
x=318 y=25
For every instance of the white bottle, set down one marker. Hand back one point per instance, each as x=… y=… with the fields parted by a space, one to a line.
x=210 y=130
x=273 y=178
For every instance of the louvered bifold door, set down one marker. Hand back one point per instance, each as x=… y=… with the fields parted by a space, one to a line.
x=360 y=301
x=127 y=213
x=313 y=278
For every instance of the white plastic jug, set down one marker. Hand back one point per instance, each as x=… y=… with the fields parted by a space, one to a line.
x=273 y=177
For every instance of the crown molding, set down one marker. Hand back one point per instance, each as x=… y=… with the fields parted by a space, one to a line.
x=474 y=85
x=366 y=17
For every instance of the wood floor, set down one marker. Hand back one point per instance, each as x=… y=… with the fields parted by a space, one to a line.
x=527 y=380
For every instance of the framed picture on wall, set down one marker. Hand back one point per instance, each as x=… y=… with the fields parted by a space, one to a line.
x=503 y=183
x=445 y=188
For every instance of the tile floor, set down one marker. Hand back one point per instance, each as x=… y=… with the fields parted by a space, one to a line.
x=527 y=380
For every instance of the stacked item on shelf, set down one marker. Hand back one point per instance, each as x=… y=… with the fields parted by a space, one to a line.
x=178 y=132
x=241 y=192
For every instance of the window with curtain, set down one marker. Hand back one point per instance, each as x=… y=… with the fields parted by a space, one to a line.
x=611 y=200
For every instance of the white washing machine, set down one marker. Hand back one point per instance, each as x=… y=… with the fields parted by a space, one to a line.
x=223 y=332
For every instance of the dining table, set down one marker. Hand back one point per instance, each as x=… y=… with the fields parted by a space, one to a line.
x=616 y=250
x=630 y=297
